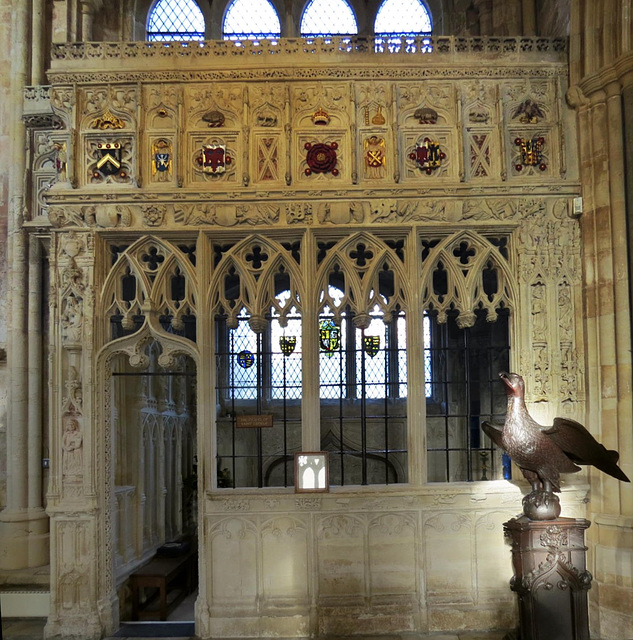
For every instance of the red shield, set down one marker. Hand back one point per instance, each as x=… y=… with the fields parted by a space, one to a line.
x=213 y=158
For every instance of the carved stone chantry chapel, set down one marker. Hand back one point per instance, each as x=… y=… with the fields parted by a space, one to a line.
x=232 y=254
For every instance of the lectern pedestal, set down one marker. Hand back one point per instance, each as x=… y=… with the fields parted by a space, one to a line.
x=550 y=577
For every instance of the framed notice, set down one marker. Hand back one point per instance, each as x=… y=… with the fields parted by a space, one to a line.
x=256 y=421
x=311 y=472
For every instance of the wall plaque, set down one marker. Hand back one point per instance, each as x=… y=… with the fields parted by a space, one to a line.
x=254 y=421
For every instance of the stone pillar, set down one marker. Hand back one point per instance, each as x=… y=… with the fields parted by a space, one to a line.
x=550 y=577
x=37 y=45
x=23 y=541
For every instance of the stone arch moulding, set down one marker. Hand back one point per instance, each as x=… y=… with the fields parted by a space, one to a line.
x=465 y=288
x=133 y=347
x=359 y=288
x=257 y=291
x=151 y=284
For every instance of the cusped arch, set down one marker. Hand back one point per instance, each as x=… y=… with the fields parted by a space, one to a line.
x=464 y=257
x=363 y=291
x=257 y=291
x=150 y=285
x=133 y=347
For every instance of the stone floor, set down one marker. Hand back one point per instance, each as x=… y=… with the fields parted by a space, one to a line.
x=32 y=629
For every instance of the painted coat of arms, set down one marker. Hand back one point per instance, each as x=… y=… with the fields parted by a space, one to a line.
x=374 y=152
x=213 y=158
x=161 y=159
x=329 y=337
x=531 y=152
x=109 y=162
x=428 y=155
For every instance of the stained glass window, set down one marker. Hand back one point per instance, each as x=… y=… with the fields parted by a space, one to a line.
x=251 y=20
x=171 y=20
x=327 y=18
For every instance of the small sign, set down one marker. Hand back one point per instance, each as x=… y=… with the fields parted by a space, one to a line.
x=254 y=421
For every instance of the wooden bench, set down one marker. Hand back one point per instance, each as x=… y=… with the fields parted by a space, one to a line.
x=164 y=574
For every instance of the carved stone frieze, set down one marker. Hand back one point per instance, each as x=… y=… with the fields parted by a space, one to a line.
x=390 y=211
x=104 y=216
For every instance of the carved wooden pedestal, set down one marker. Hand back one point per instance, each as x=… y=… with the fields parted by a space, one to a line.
x=550 y=578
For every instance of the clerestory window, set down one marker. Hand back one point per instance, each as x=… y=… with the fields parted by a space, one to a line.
x=251 y=20
x=327 y=18
x=399 y=21
x=175 y=20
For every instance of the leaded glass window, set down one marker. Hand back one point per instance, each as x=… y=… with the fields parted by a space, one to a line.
x=363 y=390
x=258 y=374
x=175 y=20
x=399 y=22
x=402 y=17
x=327 y=18
x=251 y=20
x=465 y=392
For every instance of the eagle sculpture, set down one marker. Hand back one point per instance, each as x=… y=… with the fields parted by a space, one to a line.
x=543 y=453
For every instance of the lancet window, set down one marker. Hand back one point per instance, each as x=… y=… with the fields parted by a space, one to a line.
x=399 y=22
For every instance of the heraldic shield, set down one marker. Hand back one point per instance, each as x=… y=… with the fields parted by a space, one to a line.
x=109 y=162
x=329 y=337
x=371 y=344
x=213 y=158
x=428 y=155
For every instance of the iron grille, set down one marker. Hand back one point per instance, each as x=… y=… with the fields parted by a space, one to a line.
x=465 y=391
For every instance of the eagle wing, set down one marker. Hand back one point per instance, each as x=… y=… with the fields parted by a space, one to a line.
x=581 y=447
x=494 y=432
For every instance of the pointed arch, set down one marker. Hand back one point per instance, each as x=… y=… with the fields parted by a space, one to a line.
x=143 y=277
x=466 y=272
x=255 y=261
x=363 y=282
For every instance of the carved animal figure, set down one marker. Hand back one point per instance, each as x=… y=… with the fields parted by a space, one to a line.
x=543 y=453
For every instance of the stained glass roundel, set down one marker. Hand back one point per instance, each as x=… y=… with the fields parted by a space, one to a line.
x=402 y=16
x=328 y=18
x=175 y=20
x=251 y=20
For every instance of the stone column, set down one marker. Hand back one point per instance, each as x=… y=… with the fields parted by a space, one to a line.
x=621 y=278
x=37 y=45
x=22 y=535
